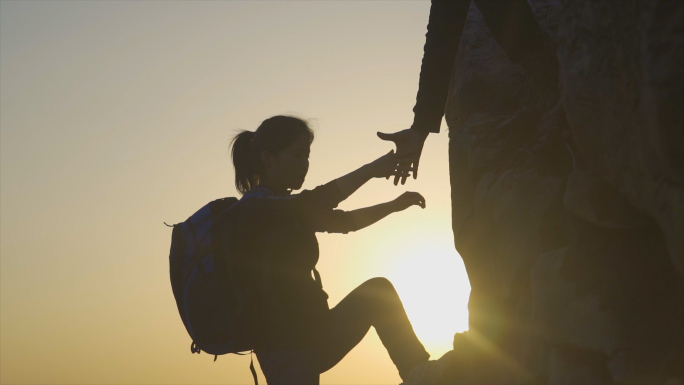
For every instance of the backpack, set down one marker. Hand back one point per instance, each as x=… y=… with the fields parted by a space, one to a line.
x=208 y=303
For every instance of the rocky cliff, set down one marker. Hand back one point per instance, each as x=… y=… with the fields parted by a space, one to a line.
x=568 y=197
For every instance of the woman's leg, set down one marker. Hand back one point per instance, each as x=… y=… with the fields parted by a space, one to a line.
x=374 y=303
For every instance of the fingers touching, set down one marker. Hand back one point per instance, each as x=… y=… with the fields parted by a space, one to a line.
x=403 y=171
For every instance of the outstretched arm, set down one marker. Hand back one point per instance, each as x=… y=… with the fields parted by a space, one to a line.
x=368 y=215
x=338 y=221
x=444 y=29
x=312 y=204
x=351 y=182
x=382 y=167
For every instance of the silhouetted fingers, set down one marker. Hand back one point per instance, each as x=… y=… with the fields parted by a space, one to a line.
x=406 y=157
x=396 y=178
x=419 y=201
x=391 y=170
x=403 y=174
x=404 y=169
x=415 y=170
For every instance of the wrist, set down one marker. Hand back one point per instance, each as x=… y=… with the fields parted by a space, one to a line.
x=422 y=133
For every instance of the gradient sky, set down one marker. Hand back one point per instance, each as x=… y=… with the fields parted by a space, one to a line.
x=115 y=116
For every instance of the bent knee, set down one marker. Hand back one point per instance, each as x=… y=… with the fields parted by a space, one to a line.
x=380 y=283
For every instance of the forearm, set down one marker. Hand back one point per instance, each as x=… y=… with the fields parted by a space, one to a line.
x=447 y=19
x=368 y=215
x=352 y=181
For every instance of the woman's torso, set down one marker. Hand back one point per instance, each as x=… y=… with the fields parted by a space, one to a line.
x=287 y=305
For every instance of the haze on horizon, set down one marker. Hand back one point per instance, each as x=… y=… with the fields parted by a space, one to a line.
x=116 y=117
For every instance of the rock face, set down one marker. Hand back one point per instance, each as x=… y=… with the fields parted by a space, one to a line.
x=568 y=197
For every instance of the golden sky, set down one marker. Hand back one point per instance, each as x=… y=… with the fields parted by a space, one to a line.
x=116 y=116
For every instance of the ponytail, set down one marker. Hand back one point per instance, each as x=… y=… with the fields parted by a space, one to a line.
x=273 y=135
x=244 y=161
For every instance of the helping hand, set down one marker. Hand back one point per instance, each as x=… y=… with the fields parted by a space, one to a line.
x=409 y=199
x=409 y=144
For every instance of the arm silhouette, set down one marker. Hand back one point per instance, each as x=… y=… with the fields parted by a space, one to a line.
x=444 y=31
x=514 y=27
x=382 y=167
x=339 y=221
x=317 y=207
x=367 y=216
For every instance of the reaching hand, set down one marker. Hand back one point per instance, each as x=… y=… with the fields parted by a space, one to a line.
x=409 y=144
x=384 y=166
x=409 y=199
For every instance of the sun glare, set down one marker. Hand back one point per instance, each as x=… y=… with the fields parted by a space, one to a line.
x=430 y=278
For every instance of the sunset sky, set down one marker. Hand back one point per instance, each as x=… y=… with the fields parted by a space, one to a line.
x=115 y=116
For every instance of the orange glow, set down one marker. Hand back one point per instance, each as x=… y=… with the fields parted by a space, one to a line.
x=116 y=117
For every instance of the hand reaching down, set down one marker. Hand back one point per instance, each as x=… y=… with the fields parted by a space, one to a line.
x=409 y=144
x=407 y=200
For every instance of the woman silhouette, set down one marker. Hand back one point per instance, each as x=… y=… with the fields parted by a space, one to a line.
x=295 y=335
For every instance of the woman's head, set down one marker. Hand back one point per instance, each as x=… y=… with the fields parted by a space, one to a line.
x=277 y=153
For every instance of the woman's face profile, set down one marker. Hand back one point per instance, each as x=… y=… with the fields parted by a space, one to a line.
x=289 y=167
